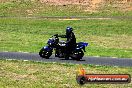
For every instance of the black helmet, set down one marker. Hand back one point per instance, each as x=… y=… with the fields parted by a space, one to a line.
x=69 y=30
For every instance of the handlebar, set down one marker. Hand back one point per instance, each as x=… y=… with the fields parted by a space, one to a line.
x=56 y=35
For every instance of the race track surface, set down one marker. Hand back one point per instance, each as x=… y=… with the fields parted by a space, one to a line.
x=123 y=62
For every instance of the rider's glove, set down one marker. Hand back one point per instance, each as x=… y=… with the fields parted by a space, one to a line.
x=56 y=35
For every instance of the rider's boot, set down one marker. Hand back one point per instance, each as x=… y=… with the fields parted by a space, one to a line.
x=66 y=57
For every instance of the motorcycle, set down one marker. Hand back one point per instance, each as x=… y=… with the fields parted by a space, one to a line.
x=59 y=47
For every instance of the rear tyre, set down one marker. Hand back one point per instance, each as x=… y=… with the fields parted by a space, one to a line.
x=77 y=55
x=45 y=54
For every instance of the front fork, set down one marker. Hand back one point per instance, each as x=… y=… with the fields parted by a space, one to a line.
x=84 y=49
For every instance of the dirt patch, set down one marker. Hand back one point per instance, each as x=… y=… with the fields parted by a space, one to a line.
x=72 y=2
x=88 y=5
x=65 y=2
x=91 y=5
x=95 y=4
x=2 y=1
x=128 y=9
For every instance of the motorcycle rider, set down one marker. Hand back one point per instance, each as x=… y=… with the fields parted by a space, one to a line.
x=70 y=42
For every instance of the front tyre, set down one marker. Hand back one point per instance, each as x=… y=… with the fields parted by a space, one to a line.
x=45 y=54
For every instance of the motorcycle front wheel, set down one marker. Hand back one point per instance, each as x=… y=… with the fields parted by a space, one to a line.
x=45 y=54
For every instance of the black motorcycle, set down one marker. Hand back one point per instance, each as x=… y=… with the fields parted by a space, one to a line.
x=59 y=47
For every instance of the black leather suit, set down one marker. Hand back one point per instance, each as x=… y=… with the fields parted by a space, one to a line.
x=70 y=44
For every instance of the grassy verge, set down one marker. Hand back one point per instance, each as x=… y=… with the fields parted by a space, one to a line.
x=105 y=37
x=29 y=74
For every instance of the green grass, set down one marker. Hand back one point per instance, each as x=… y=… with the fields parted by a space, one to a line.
x=110 y=38
x=35 y=8
x=29 y=74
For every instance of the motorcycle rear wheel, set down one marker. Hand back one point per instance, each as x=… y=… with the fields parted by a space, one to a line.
x=77 y=55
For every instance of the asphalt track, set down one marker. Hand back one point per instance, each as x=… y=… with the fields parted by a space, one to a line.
x=123 y=62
